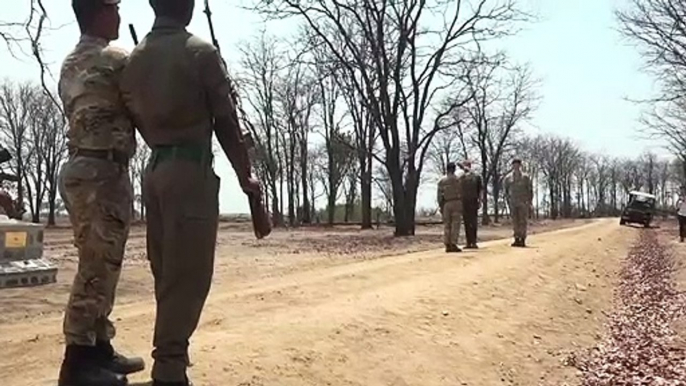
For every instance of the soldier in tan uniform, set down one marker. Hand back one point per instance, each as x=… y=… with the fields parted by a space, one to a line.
x=449 y=197
x=519 y=194
x=178 y=91
x=94 y=184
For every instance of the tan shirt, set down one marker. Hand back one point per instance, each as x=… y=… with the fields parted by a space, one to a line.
x=175 y=84
x=449 y=189
x=519 y=188
x=89 y=90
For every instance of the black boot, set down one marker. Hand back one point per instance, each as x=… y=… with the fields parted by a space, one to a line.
x=450 y=248
x=116 y=362
x=515 y=243
x=522 y=242
x=182 y=383
x=82 y=367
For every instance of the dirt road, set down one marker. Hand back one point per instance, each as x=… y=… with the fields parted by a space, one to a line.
x=495 y=316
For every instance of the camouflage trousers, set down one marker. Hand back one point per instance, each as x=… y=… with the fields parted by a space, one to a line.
x=98 y=196
x=452 y=217
x=520 y=219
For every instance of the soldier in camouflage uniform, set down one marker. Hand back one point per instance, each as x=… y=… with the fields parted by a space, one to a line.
x=471 y=202
x=519 y=194
x=95 y=187
x=449 y=197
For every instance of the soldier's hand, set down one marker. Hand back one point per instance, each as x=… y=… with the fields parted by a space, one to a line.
x=251 y=186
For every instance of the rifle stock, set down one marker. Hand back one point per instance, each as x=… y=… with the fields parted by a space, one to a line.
x=259 y=215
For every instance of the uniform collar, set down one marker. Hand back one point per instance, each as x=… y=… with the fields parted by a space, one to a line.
x=163 y=22
x=90 y=39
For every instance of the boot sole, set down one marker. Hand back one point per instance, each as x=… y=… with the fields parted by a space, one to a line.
x=132 y=370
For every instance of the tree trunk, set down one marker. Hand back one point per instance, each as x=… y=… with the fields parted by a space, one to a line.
x=366 y=163
x=553 y=204
x=307 y=218
x=496 y=196
x=404 y=224
x=485 y=219
x=366 y=199
x=277 y=219
x=52 y=197
x=331 y=208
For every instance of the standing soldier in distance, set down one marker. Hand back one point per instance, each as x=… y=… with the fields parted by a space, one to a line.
x=519 y=193
x=178 y=91
x=472 y=186
x=449 y=197
x=95 y=186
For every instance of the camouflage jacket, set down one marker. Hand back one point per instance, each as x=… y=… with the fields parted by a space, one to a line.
x=518 y=188
x=449 y=189
x=89 y=90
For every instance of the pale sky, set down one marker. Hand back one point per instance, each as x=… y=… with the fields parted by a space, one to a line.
x=586 y=69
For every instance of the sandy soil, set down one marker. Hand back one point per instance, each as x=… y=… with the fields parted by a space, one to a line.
x=343 y=307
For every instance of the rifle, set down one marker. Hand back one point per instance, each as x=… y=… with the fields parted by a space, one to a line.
x=132 y=30
x=260 y=218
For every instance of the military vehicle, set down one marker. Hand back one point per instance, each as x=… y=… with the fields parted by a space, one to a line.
x=639 y=210
x=22 y=262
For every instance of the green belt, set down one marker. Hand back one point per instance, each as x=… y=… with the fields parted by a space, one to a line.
x=190 y=152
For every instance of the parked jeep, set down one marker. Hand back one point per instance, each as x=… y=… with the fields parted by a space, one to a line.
x=639 y=210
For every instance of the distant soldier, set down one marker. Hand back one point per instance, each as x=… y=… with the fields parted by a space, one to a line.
x=449 y=197
x=472 y=186
x=94 y=184
x=519 y=194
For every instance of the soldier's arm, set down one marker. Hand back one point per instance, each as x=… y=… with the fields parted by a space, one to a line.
x=226 y=125
x=439 y=194
x=479 y=186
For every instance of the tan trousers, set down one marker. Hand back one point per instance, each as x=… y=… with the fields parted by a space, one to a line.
x=452 y=217
x=181 y=199
x=520 y=219
x=97 y=194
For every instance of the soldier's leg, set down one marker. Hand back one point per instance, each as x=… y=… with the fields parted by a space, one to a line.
x=470 y=221
x=524 y=222
x=189 y=207
x=96 y=194
x=457 y=220
x=514 y=212
x=446 y=225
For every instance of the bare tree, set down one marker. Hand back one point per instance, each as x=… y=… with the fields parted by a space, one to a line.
x=53 y=150
x=15 y=110
x=658 y=27
x=262 y=64
x=139 y=162
x=410 y=69
x=500 y=99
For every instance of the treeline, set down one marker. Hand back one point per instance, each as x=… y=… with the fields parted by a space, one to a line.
x=33 y=130
x=570 y=182
x=350 y=109
x=367 y=102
